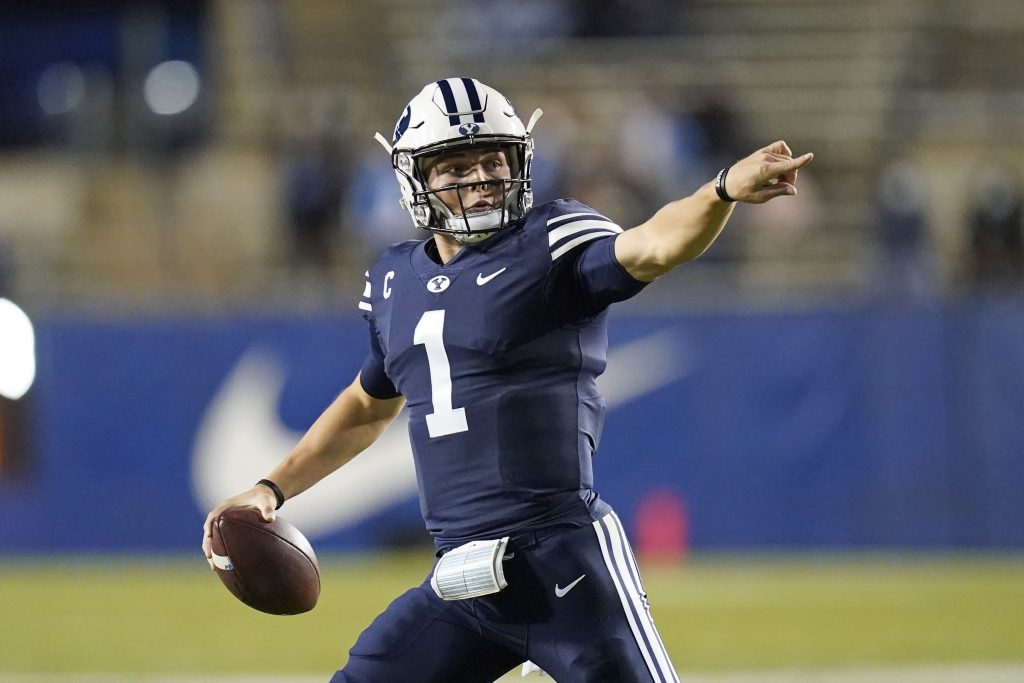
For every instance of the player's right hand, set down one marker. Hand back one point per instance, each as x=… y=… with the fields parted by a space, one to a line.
x=767 y=173
x=259 y=497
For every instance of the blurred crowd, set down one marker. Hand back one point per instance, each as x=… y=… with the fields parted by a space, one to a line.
x=126 y=171
x=339 y=193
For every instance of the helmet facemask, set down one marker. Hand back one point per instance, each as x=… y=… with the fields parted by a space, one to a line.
x=463 y=223
x=510 y=197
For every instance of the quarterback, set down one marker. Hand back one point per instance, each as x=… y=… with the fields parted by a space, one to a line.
x=492 y=332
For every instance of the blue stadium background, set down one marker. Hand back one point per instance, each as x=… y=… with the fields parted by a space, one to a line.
x=847 y=427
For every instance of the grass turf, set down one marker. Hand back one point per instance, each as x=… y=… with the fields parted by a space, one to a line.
x=743 y=612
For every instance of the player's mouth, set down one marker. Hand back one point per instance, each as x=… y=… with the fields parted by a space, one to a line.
x=481 y=206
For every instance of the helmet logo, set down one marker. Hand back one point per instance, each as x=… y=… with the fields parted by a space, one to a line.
x=438 y=284
x=403 y=124
x=469 y=129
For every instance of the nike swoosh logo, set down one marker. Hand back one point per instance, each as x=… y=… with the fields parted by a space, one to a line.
x=481 y=280
x=242 y=437
x=560 y=592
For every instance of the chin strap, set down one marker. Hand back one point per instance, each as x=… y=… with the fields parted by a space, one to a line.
x=463 y=238
x=469 y=227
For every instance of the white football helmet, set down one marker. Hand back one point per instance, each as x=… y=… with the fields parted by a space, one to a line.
x=450 y=114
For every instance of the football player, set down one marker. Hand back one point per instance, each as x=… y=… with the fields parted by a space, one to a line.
x=492 y=331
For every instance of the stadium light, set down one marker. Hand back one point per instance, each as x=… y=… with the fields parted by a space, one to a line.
x=61 y=88
x=17 y=351
x=171 y=87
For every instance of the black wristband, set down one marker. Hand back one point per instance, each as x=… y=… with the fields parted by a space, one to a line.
x=278 y=493
x=720 y=186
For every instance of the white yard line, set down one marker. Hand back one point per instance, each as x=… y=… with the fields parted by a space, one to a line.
x=960 y=673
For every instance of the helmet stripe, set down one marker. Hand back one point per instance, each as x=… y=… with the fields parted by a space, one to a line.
x=474 y=99
x=449 y=102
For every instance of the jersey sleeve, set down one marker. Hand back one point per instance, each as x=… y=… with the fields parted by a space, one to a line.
x=372 y=376
x=572 y=225
x=585 y=276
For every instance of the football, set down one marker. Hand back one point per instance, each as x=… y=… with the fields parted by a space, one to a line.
x=270 y=566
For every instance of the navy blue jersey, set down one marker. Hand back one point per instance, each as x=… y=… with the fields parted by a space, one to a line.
x=497 y=353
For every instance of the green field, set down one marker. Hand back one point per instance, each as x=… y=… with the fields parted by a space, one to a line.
x=716 y=614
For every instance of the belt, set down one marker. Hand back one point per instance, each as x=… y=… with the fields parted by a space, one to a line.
x=529 y=539
x=523 y=540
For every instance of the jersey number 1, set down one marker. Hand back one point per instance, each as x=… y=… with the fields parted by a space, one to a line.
x=444 y=420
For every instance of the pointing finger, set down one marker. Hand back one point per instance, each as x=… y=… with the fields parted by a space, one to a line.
x=779 y=168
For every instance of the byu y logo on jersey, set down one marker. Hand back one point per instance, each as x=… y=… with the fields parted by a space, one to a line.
x=438 y=284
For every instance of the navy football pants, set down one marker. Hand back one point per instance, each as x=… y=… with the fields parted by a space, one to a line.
x=596 y=628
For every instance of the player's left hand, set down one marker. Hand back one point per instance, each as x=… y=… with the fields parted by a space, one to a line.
x=767 y=173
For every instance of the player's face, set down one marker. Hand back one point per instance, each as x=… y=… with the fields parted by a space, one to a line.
x=486 y=167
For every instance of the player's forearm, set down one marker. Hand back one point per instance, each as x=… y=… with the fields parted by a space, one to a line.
x=679 y=232
x=349 y=425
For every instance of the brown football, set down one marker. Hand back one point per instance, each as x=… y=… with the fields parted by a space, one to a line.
x=269 y=566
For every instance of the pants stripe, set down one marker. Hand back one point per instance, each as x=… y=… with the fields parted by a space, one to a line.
x=658 y=646
x=638 y=598
x=604 y=539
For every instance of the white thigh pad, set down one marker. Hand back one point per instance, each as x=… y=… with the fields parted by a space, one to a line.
x=471 y=570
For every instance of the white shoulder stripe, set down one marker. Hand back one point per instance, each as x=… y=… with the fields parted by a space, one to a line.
x=582 y=239
x=365 y=306
x=572 y=216
x=580 y=226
